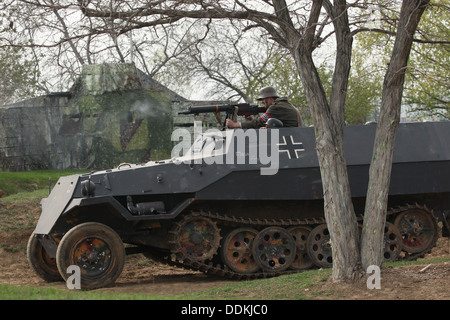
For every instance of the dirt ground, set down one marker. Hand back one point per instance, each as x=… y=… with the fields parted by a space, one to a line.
x=139 y=276
x=423 y=281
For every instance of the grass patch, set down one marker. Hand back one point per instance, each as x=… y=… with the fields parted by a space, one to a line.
x=28 y=181
x=24 y=196
x=416 y=262
x=19 y=213
x=10 y=292
x=287 y=287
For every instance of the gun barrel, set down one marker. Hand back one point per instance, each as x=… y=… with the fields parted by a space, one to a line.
x=244 y=108
x=207 y=109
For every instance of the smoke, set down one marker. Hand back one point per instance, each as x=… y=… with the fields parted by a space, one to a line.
x=149 y=109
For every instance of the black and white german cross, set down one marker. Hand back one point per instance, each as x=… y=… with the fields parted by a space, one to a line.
x=290 y=147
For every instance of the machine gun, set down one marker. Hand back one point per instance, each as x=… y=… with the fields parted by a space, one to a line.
x=232 y=111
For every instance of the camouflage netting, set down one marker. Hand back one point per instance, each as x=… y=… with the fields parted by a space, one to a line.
x=112 y=114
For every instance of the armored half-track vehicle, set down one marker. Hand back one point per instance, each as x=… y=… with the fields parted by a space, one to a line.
x=242 y=204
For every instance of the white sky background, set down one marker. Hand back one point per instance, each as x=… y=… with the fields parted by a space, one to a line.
x=148 y=41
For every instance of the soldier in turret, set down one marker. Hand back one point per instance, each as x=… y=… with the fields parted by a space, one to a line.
x=276 y=107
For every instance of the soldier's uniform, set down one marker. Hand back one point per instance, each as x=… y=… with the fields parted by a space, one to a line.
x=281 y=109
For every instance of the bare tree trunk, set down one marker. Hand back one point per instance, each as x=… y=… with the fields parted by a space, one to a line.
x=329 y=125
x=380 y=169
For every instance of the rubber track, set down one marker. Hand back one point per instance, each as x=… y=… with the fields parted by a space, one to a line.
x=219 y=270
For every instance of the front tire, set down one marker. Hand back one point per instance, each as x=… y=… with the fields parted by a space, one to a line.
x=44 y=266
x=96 y=249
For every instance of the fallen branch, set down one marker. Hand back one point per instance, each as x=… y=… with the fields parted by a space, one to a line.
x=425 y=269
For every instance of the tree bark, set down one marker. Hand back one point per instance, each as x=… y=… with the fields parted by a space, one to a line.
x=329 y=128
x=381 y=165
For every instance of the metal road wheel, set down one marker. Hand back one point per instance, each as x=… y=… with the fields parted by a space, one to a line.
x=237 y=250
x=44 y=266
x=418 y=229
x=274 y=249
x=302 y=260
x=196 y=238
x=96 y=249
x=392 y=242
x=319 y=246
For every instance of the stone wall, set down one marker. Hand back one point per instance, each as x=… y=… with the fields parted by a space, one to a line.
x=113 y=114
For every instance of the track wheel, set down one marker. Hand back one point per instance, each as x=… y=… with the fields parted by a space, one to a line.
x=96 y=249
x=237 y=250
x=274 y=249
x=302 y=260
x=319 y=246
x=44 y=266
x=196 y=238
x=392 y=242
x=418 y=229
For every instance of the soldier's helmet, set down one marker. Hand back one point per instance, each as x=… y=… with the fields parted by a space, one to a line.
x=267 y=92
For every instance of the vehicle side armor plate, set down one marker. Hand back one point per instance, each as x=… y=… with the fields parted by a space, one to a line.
x=54 y=205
